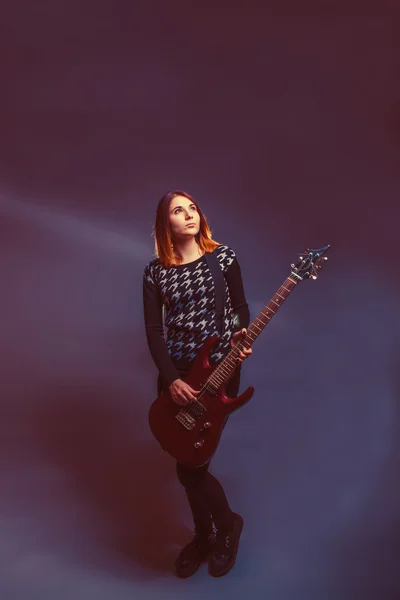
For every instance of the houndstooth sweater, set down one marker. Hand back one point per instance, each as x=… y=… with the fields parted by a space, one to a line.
x=179 y=311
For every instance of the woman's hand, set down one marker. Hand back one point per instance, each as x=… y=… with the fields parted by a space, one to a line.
x=245 y=352
x=181 y=392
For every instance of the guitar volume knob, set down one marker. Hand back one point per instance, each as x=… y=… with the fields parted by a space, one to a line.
x=199 y=444
x=207 y=425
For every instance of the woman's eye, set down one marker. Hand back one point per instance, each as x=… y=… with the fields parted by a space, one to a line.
x=178 y=210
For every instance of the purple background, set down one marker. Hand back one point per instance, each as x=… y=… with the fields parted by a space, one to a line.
x=282 y=119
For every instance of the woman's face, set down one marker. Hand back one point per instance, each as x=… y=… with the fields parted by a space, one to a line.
x=184 y=218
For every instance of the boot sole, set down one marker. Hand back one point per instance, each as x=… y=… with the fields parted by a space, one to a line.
x=194 y=570
x=191 y=573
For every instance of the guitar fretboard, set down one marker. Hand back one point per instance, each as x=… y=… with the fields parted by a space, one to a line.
x=229 y=363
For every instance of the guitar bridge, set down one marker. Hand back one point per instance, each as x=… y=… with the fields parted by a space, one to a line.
x=187 y=421
x=188 y=415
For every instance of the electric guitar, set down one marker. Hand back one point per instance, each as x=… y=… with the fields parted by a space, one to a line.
x=191 y=433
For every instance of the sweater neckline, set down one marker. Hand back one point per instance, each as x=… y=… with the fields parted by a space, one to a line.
x=192 y=262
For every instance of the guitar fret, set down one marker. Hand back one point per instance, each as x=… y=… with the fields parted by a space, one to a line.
x=222 y=376
x=219 y=372
x=225 y=365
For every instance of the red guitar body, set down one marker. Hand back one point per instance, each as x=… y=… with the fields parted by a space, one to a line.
x=192 y=440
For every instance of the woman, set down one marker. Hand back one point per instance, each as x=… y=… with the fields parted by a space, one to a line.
x=179 y=313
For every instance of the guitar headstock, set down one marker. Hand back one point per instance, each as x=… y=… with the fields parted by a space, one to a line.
x=309 y=263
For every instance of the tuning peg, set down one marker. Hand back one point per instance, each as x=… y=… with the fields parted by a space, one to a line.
x=325 y=257
x=313 y=277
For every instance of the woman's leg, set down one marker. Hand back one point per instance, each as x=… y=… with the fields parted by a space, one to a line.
x=202 y=517
x=206 y=498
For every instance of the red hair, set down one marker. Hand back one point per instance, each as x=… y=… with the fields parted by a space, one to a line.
x=163 y=239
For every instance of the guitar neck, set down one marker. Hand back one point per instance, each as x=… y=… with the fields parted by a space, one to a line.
x=228 y=364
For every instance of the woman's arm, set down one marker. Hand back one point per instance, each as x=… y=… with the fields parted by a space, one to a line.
x=240 y=308
x=153 y=320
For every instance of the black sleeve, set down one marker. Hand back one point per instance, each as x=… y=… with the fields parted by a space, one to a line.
x=240 y=308
x=153 y=320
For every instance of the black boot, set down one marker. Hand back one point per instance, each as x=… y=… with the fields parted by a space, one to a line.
x=193 y=554
x=225 y=549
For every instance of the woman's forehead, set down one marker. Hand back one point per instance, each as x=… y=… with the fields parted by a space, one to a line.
x=180 y=201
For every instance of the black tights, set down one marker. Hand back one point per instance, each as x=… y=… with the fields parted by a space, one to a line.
x=207 y=499
x=204 y=492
